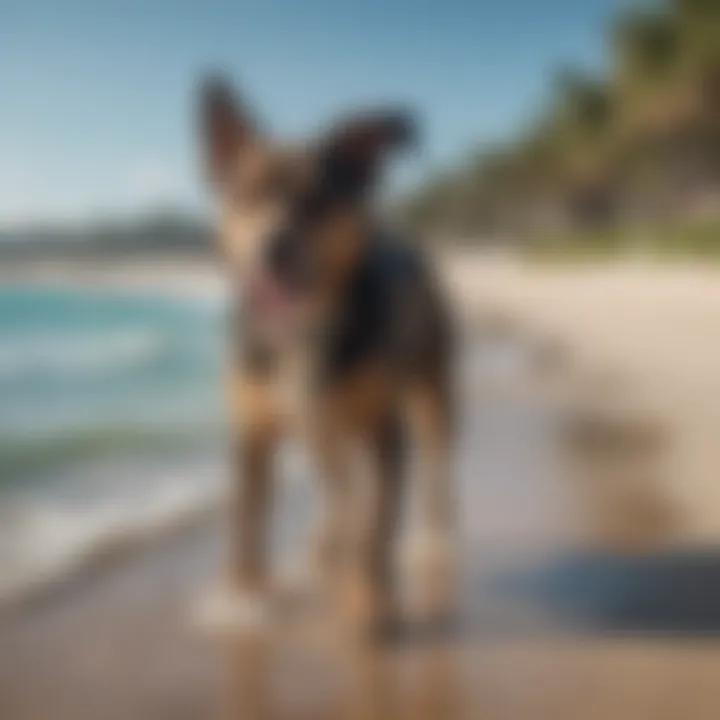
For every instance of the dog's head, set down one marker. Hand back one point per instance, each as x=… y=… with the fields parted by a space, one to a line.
x=292 y=221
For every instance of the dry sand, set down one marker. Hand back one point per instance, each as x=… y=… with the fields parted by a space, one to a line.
x=647 y=332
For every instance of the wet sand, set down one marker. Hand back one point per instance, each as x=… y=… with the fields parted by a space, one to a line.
x=542 y=629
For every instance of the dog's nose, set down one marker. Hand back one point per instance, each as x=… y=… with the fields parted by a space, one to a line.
x=283 y=259
x=278 y=254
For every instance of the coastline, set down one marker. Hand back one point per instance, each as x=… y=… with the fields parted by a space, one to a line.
x=50 y=541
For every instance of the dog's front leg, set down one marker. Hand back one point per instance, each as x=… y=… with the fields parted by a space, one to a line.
x=241 y=602
x=330 y=535
x=432 y=550
x=250 y=510
x=373 y=588
x=257 y=425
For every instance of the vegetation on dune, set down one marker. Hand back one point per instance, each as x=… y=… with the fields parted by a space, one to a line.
x=680 y=240
x=639 y=144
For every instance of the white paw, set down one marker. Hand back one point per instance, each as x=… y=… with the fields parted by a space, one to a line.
x=227 y=611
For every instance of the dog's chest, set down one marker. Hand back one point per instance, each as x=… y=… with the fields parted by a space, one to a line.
x=293 y=388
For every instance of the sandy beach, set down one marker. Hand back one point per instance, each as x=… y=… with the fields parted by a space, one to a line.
x=549 y=624
x=643 y=331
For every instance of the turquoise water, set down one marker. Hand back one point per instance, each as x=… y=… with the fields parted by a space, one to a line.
x=85 y=375
x=110 y=406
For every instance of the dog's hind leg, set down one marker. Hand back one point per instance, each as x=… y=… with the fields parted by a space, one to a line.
x=329 y=537
x=374 y=590
x=432 y=550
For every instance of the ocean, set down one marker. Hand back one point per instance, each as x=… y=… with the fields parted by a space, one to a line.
x=112 y=424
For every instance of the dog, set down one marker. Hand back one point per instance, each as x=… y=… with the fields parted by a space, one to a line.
x=339 y=331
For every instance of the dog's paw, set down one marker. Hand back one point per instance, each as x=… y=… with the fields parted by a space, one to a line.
x=224 y=610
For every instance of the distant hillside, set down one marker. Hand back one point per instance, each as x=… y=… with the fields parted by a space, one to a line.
x=163 y=233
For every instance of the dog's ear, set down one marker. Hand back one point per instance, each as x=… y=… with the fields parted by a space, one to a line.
x=356 y=147
x=224 y=125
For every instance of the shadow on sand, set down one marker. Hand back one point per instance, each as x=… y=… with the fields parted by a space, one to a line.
x=671 y=593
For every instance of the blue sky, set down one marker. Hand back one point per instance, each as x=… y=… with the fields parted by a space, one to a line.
x=96 y=95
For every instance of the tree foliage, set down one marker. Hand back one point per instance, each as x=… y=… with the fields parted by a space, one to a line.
x=640 y=141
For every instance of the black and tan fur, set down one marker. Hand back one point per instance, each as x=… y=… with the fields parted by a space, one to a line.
x=365 y=362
